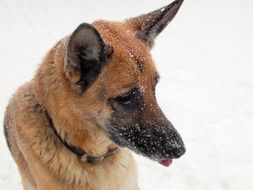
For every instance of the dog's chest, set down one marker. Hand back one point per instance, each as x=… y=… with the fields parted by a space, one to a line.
x=121 y=175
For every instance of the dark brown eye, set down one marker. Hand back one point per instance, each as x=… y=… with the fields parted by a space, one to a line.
x=124 y=100
x=130 y=100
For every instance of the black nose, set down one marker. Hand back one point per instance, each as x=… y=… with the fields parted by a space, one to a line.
x=174 y=145
x=178 y=152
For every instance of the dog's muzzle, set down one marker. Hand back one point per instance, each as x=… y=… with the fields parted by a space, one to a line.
x=158 y=142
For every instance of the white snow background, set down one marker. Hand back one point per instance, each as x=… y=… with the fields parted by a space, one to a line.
x=205 y=59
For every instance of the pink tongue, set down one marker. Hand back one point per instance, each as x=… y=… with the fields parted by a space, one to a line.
x=166 y=163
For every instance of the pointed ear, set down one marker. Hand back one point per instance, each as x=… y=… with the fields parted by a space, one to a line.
x=148 y=26
x=86 y=53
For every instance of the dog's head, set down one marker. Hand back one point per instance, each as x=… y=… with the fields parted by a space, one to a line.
x=110 y=68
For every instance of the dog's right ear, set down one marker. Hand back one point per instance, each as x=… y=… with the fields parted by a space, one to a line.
x=86 y=53
x=148 y=26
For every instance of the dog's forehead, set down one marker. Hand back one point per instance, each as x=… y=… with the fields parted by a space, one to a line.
x=127 y=48
x=130 y=54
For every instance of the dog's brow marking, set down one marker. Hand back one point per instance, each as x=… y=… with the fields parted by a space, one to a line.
x=128 y=47
x=139 y=63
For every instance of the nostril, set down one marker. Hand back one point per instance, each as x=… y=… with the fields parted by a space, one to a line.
x=179 y=152
x=177 y=145
x=176 y=152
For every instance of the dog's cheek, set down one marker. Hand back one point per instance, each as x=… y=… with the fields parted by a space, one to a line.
x=132 y=136
x=115 y=128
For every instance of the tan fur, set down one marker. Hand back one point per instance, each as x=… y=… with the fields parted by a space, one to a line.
x=43 y=162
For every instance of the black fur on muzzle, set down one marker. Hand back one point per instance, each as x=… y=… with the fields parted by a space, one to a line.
x=148 y=138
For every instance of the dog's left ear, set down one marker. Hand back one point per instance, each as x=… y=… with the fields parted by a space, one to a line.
x=148 y=26
x=86 y=53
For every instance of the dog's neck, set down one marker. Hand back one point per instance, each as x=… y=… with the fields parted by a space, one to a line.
x=79 y=152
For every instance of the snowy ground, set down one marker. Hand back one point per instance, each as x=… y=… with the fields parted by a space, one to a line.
x=205 y=59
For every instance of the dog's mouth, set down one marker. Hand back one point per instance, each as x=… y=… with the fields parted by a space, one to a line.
x=166 y=163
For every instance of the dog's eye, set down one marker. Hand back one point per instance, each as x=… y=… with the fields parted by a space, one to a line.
x=127 y=98
x=124 y=99
x=130 y=99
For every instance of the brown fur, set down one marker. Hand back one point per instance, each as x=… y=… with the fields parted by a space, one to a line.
x=39 y=153
x=43 y=162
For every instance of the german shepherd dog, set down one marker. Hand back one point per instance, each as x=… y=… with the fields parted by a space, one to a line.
x=91 y=101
